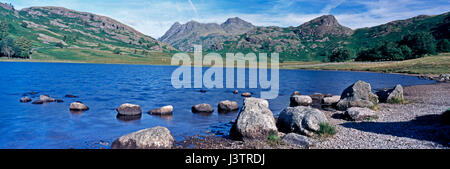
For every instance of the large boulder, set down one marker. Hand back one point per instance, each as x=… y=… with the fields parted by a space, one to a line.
x=301 y=119
x=78 y=106
x=255 y=121
x=128 y=109
x=228 y=106
x=360 y=113
x=300 y=100
x=202 y=108
x=331 y=101
x=162 y=111
x=298 y=140
x=444 y=78
x=394 y=95
x=152 y=138
x=317 y=99
x=357 y=95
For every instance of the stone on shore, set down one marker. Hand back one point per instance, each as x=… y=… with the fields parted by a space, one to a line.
x=357 y=95
x=331 y=101
x=254 y=122
x=298 y=140
x=78 y=106
x=394 y=95
x=444 y=78
x=228 y=106
x=202 y=108
x=296 y=93
x=360 y=113
x=152 y=138
x=25 y=99
x=162 y=111
x=300 y=100
x=317 y=98
x=301 y=120
x=128 y=109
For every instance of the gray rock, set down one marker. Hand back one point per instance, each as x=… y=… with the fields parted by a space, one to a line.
x=227 y=106
x=25 y=99
x=300 y=100
x=360 y=113
x=152 y=138
x=391 y=95
x=296 y=93
x=129 y=110
x=298 y=140
x=255 y=121
x=202 y=108
x=78 y=106
x=236 y=92
x=357 y=95
x=46 y=98
x=444 y=77
x=38 y=102
x=162 y=111
x=70 y=96
x=330 y=101
x=301 y=119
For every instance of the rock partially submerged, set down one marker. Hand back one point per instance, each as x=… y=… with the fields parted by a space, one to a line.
x=360 y=113
x=301 y=120
x=246 y=94
x=25 y=99
x=394 y=95
x=78 y=106
x=255 y=121
x=70 y=96
x=228 y=106
x=128 y=109
x=152 y=138
x=202 y=108
x=298 y=140
x=300 y=100
x=357 y=95
x=162 y=111
x=46 y=98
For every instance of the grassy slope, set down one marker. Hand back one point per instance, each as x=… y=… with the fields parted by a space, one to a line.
x=436 y=64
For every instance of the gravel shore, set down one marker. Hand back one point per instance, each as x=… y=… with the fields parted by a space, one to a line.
x=413 y=125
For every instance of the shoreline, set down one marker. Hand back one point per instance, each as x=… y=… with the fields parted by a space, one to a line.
x=413 y=125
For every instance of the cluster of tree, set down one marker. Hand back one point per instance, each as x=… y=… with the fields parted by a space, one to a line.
x=13 y=48
x=340 y=55
x=410 y=47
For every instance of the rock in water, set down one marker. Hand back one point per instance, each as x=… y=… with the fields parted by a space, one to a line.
x=246 y=94
x=163 y=111
x=70 y=96
x=78 y=106
x=38 y=102
x=129 y=110
x=357 y=95
x=236 y=92
x=394 y=95
x=46 y=98
x=298 y=140
x=202 y=108
x=360 y=113
x=300 y=100
x=331 y=101
x=228 y=106
x=301 y=119
x=296 y=93
x=25 y=99
x=255 y=121
x=152 y=138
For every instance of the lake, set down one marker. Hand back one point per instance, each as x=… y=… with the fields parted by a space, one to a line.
x=104 y=87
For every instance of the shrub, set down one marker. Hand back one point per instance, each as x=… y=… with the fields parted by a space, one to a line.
x=340 y=55
x=116 y=51
x=443 y=46
x=326 y=129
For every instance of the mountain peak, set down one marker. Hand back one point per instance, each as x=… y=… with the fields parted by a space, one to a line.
x=323 y=25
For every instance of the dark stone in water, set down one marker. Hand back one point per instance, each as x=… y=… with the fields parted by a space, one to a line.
x=202 y=91
x=236 y=92
x=70 y=96
x=127 y=118
x=38 y=102
x=59 y=100
x=202 y=108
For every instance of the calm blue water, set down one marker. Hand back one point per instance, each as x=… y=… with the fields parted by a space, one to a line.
x=104 y=87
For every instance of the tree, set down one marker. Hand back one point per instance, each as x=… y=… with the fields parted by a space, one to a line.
x=340 y=55
x=443 y=45
x=59 y=45
x=406 y=51
x=116 y=51
x=4 y=30
x=24 y=25
x=390 y=51
x=421 y=43
x=7 y=47
x=22 y=47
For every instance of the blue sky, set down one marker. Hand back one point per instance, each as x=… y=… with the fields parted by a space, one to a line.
x=154 y=17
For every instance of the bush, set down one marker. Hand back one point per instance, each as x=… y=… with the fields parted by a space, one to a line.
x=116 y=51
x=340 y=55
x=421 y=43
x=326 y=129
x=443 y=46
